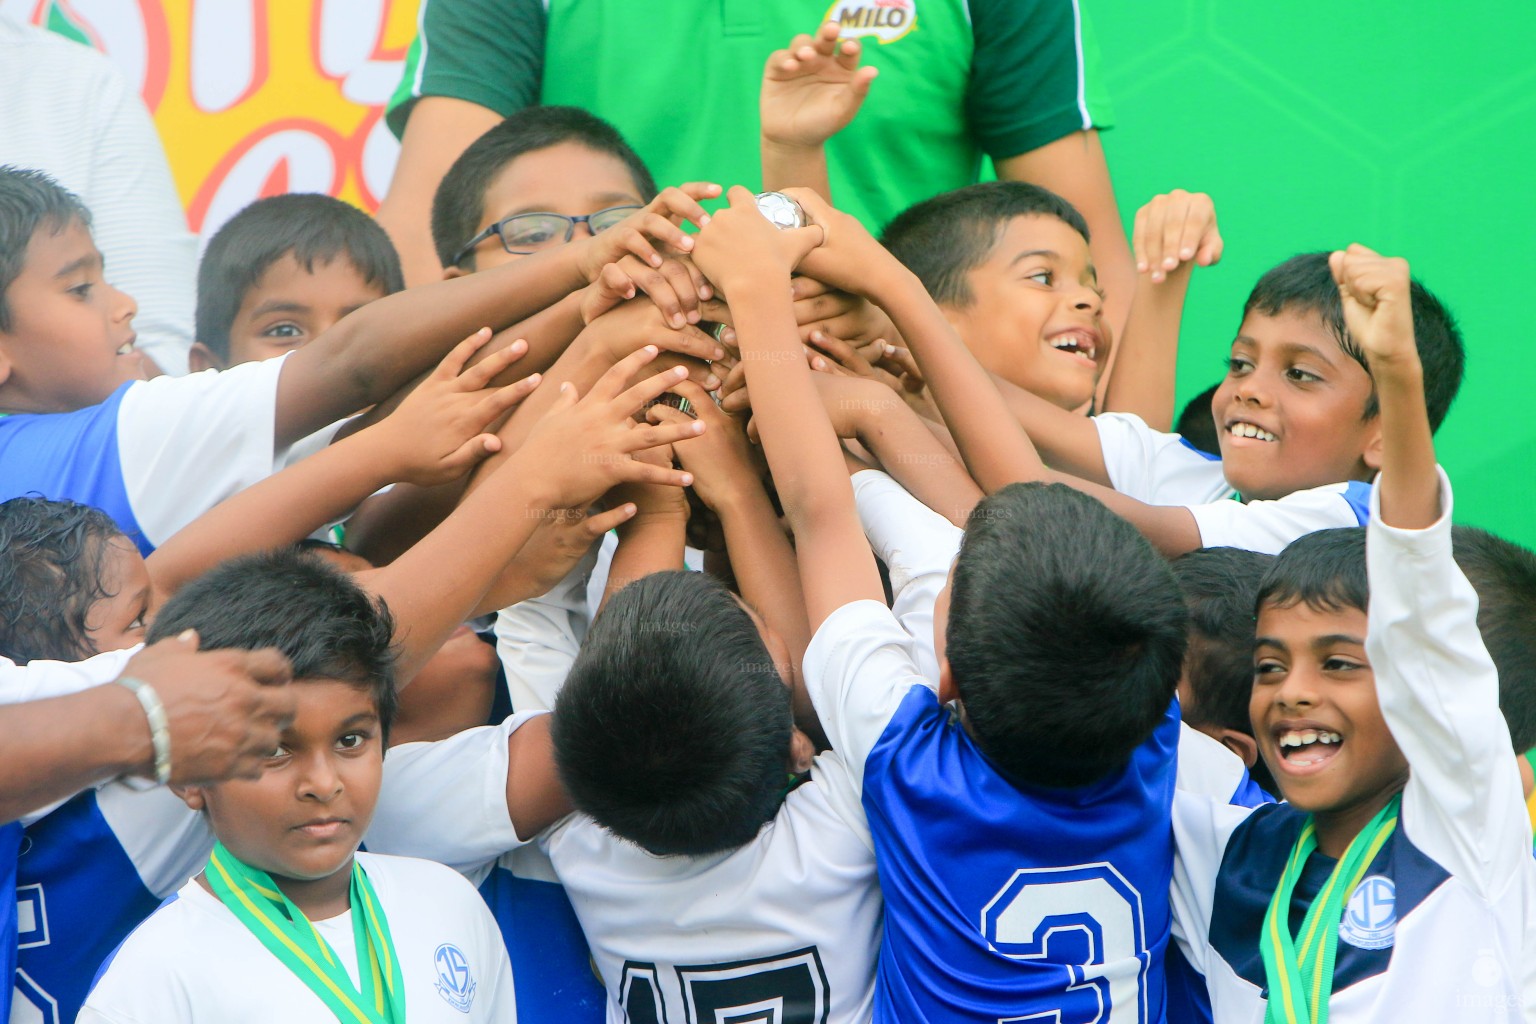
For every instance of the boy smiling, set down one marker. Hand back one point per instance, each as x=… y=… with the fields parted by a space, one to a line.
x=1396 y=882
x=289 y=921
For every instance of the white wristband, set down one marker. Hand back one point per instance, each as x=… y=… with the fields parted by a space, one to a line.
x=159 y=724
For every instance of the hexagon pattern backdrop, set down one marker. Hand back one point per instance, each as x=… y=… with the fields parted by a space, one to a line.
x=1409 y=127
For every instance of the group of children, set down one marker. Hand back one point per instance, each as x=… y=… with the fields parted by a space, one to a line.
x=759 y=620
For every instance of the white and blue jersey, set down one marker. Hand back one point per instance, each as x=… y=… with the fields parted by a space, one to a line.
x=156 y=454
x=10 y=843
x=1163 y=469
x=1443 y=925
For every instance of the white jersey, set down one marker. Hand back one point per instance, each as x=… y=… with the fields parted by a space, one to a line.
x=193 y=960
x=1443 y=926
x=40 y=680
x=1164 y=469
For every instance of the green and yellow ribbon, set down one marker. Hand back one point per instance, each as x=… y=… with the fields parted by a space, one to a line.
x=1300 y=978
x=252 y=896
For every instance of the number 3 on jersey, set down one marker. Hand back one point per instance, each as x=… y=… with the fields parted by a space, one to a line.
x=786 y=989
x=1087 y=919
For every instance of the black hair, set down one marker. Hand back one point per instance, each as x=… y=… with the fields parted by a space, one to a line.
x=459 y=203
x=673 y=728
x=1221 y=587
x=308 y=226
x=943 y=239
x=30 y=201
x=52 y=572
x=1327 y=571
x=1197 y=424
x=1305 y=284
x=328 y=626
x=1504 y=576
x=1066 y=634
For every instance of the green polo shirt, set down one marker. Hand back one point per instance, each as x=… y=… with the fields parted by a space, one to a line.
x=680 y=79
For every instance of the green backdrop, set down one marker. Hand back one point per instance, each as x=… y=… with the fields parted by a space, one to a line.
x=1407 y=126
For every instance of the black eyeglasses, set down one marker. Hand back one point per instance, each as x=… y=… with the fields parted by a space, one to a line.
x=524 y=233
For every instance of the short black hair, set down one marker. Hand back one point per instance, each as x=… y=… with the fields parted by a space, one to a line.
x=30 y=201
x=673 y=728
x=1327 y=571
x=328 y=626
x=1504 y=576
x=1065 y=637
x=1305 y=284
x=1197 y=424
x=1221 y=587
x=52 y=571
x=308 y=226
x=943 y=239
x=459 y=203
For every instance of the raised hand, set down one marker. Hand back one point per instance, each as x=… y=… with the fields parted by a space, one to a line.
x=583 y=447
x=741 y=243
x=720 y=459
x=813 y=88
x=442 y=428
x=1378 y=309
x=655 y=223
x=1175 y=229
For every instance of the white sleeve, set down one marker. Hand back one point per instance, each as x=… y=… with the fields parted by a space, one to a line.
x=859 y=667
x=40 y=680
x=1204 y=818
x=140 y=227
x=187 y=443
x=1268 y=526
x=447 y=800
x=538 y=639
x=917 y=546
x=1439 y=693
x=1154 y=467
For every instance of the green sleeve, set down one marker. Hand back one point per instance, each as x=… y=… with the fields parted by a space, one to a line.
x=1034 y=75
x=489 y=52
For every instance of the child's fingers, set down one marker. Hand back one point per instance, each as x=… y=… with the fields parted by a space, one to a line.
x=458 y=357
x=904 y=361
x=737 y=402
x=611 y=384
x=1173 y=226
x=635 y=471
x=633 y=400
x=600 y=523
x=688 y=340
x=848 y=54
x=701 y=285
x=477 y=377
x=862 y=80
x=681 y=202
x=654 y=435
x=1210 y=248
x=840 y=350
x=504 y=398
x=699 y=370
x=807 y=288
x=824 y=306
x=735 y=380
x=1139 y=240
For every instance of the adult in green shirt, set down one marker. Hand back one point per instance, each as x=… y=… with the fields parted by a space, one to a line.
x=959 y=80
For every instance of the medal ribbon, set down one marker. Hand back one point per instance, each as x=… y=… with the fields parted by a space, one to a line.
x=252 y=896
x=1300 y=978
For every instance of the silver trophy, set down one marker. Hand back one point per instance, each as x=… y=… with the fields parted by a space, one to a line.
x=781 y=210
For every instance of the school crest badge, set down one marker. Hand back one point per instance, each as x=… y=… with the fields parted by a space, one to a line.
x=455 y=983
x=1370 y=921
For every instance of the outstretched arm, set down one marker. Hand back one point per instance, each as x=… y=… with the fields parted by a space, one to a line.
x=811 y=90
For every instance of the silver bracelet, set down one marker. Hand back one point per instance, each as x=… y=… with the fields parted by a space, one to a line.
x=159 y=724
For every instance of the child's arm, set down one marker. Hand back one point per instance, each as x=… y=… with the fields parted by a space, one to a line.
x=380 y=348
x=1173 y=233
x=811 y=90
x=750 y=261
x=434 y=435
x=1438 y=688
x=762 y=559
x=996 y=451
x=652 y=540
x=578 y=451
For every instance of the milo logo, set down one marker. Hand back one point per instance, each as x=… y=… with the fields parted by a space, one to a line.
x=886 y=20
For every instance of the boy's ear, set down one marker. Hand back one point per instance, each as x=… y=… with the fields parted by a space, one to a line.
x=1241 y=744
x=1372 y=454
x=192 y=796
x=948 y=691
x=201 y=358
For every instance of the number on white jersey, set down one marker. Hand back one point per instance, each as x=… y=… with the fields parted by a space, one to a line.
x=787 y=989
x=1087 y=918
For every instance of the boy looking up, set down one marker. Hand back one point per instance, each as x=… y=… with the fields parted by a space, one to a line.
x=282 y=272
x=156 y=454
x=1397 y=881
x=288 y=921
x=1007 y=828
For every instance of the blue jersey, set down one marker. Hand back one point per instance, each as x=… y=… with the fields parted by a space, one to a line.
x=10 y=841
x=70 y=456
x=89 y=872
x=1002 y=901
x=551 y=964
